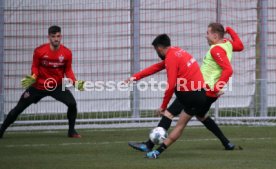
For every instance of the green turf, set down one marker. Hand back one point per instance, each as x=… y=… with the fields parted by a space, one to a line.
x=107 y=149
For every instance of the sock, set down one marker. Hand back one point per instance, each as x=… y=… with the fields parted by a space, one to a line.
x=165 y=122
x=1 y=133
x=149 y=144
x=213 y=127
x=72 y=115
x=161 y=148
x=11 y=117
x=71 y=126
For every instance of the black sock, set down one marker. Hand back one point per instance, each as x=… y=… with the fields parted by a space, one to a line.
x=72 y=115
x=150 y=144
x=11 y=117
x=1 y=132
x=161 y=148
x=71 y=127
x=213 y=127
x=165 y=122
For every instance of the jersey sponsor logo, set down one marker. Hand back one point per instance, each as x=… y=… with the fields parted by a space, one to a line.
x=53 y=64
x=45 y=56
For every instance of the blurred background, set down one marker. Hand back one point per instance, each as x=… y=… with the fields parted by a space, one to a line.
x=111 y=39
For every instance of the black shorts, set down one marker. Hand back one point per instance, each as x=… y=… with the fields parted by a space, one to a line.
x=33 y=95
x=176 y=107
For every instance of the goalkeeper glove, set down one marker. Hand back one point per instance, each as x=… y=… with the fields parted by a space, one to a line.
x=27 y=81
x=79 y=84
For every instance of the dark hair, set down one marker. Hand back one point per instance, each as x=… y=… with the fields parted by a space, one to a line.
x=54 y=29
x=217 y=28
x=162 y=40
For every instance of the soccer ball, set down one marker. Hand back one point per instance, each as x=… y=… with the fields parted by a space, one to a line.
x=158 y=135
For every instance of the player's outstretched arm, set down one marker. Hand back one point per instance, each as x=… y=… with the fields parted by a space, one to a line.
x=236 y=41
x=146 y=72
x=149 y=70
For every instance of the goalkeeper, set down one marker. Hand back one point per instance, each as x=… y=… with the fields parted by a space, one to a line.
x=216 y=70
x=51 y=61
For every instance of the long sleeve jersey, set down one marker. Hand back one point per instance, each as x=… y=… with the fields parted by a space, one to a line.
x=236 y=44
x=51 y=64
x=182 y=70
x=223 y=62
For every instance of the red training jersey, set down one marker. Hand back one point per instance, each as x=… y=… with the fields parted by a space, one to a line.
x=182 y=70
x=51 y=64
x=222 y=61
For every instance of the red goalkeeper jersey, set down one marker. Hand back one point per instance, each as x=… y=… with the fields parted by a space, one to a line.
x=51 y=64
x=182 y=70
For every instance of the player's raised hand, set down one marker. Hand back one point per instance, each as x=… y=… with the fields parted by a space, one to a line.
x=79 y=84
x=227 y=29
x=27 y=81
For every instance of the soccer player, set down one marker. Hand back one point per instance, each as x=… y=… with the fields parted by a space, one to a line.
x=51 y=61
x=216 y=69
x=181 y=67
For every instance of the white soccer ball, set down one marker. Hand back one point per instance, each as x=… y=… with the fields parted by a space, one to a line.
x=158 y=135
